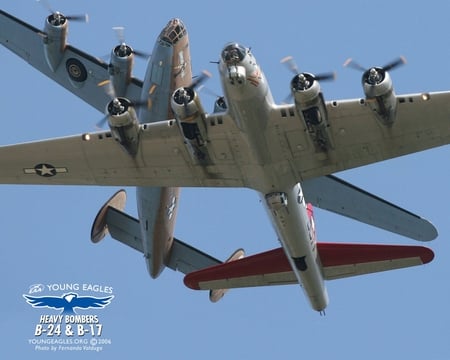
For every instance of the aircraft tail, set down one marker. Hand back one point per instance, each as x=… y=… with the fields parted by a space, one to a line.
x=100 y=227
x=216 y=294
x=345 y=260
x=338 y=260
x=126 y=229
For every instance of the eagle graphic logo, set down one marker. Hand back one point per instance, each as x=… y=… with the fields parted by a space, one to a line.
x=68 y=302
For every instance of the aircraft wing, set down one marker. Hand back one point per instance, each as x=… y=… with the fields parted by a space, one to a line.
x=97 y=159
x=338 y=260
x=27 y=42
x=358 y=136
x=336 y=195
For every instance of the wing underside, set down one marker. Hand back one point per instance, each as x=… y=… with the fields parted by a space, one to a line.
x=27 y=42
x=358 y=137
x=336 y=195
x=98 y=159
x=338 y=260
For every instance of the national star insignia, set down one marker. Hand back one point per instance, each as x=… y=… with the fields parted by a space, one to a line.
x=45 y=170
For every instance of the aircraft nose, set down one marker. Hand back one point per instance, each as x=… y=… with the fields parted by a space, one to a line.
x=173 y=31
x=233 y=53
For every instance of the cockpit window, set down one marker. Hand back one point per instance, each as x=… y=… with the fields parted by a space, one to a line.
x=233 y=53
x=173 y=32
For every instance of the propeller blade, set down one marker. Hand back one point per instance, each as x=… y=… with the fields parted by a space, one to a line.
x=395 y=63
x=140 y=103
x=199 y=80
x=354 y=65
x=288 y=99
x=290 y=63
x=325 y=76
x=109 y=89
x=141 y=54
x=46 y=4
x=83 y=18
x=208 y=91
x=102 y=122
x=120 y=33
x=389 y=66
x=292 y=66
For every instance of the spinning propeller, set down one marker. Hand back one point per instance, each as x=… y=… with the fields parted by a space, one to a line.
x=200 y=79
x=303 y=81
x=184 y=95
x=375 y=75
x=117 y=105
x=56 y=18
x=123 y=50
x=292 y=66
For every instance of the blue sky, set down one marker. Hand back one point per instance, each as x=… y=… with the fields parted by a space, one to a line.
x=45 y=230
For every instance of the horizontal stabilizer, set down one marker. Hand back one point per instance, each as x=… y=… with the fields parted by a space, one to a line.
x=344 y=260
x=338 y=261
x=216 y=294
x=336 y=195
x=124 y=228
x=183 y=257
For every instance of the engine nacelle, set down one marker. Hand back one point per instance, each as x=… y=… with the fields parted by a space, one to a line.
x=120 y=68
x=380 y=95
x=55 y=41
x=220 y=105
x=310 y=106
x=124 y=124
x=190 y=115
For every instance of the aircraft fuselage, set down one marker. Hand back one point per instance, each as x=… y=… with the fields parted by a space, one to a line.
x=168 y=68
x=250 y=103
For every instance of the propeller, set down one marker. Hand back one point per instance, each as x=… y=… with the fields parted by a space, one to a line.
x=219 y=99
x=208 y=91
x=302 y=80
x=292 y=66
x=109 y=90
x=184 y=95
x=123 y=49
x=375 y=75
x=117 y=105
x=58 y=18
x=200 y=79
x=395 y=63
x=100 y=124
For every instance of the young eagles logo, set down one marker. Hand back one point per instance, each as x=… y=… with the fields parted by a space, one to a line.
x=68 y=302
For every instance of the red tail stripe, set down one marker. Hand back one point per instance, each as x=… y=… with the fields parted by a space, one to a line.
x=335 y=254
x=331 y=254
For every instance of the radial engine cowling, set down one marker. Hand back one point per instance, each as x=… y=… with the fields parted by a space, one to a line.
x=380 y=95
x=120 y=68
x=124 y=124
x=55 y=41
x=311 y=107
x=190 y=115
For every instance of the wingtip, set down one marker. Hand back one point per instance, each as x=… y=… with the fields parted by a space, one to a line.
x=428 y=233
x=427 y=255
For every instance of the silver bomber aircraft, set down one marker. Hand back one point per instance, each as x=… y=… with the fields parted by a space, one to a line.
x=160 y=139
